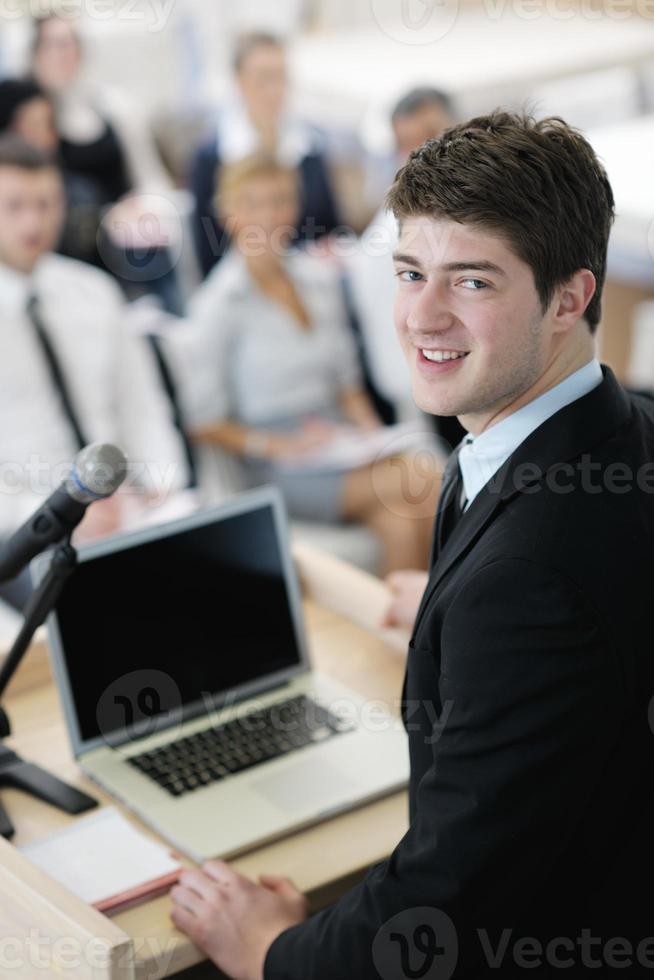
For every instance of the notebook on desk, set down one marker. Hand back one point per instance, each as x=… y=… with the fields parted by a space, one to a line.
x=181 y=658
x=106 y=861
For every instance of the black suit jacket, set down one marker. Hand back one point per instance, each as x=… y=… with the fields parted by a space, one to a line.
x=318 y=211
x=527 y=703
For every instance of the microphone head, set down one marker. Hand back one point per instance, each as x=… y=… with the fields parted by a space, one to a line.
x=97 y=472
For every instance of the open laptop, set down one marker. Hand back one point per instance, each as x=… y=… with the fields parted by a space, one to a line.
x=180 y=655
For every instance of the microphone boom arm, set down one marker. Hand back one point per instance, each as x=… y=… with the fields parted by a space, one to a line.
x=14 y=772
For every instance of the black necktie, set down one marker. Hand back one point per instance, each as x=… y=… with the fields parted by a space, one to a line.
x=56 y=373
x=450 y=507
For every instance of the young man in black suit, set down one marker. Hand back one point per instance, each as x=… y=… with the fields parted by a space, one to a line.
x=530 y=850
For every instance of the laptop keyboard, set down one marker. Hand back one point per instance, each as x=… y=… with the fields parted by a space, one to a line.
x=214 y=753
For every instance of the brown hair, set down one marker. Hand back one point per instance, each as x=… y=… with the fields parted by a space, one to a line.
x=537 y=183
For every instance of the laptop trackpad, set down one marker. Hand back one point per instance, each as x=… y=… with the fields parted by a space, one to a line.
x=305 y=785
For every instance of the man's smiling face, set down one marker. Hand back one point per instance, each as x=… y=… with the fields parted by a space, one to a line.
x=469 y=319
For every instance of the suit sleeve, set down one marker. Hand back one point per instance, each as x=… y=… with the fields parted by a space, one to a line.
x=528 y=688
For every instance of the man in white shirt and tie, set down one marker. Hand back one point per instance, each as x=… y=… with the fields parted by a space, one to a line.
x=70 y=371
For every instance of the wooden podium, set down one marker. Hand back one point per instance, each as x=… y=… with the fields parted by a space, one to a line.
x=46 y=931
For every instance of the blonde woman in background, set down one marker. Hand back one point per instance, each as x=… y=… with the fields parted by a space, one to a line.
x=269 y=371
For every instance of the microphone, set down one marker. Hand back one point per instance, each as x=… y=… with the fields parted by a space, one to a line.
x=96 y=473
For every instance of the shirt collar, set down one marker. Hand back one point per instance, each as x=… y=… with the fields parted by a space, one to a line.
x=481 y=457
x=234 y=278
x=237 y=137
x=15 y=287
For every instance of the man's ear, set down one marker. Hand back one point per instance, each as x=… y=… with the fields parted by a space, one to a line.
x=572 y=298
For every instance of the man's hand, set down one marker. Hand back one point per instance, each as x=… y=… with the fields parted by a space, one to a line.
x=407 y=588
x=234 y=920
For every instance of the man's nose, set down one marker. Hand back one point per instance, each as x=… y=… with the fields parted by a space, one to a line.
x=431 y=312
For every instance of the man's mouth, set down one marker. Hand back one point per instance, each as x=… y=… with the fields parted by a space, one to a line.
x=443 y=355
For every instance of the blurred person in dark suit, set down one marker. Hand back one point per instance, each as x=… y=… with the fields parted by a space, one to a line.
x=259 y=120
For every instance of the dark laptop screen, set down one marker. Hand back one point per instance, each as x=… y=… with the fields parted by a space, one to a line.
x=175 y=620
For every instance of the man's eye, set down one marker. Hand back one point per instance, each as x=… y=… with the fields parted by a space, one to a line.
x=476 y=284
x=409 y=275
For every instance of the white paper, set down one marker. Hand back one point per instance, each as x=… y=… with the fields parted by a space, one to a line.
x=358 y=448
x=100 y=856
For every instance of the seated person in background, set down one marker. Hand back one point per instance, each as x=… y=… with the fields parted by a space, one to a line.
x=107 y=157
x=270 y=371
x=28 y=112
x=258 y=121
x=70 y=373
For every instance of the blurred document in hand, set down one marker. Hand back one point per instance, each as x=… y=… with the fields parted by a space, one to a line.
x=355 y=447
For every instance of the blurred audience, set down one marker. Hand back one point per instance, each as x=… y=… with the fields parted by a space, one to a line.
x=70 y=372
x=110 y=162
x=258 y=120
x=269 y=371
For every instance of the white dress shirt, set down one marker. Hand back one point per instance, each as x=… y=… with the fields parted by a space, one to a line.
x=481 y=457
x=237 y=137
x=110 y=374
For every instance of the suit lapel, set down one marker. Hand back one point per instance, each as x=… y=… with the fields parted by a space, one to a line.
x=572 y=431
